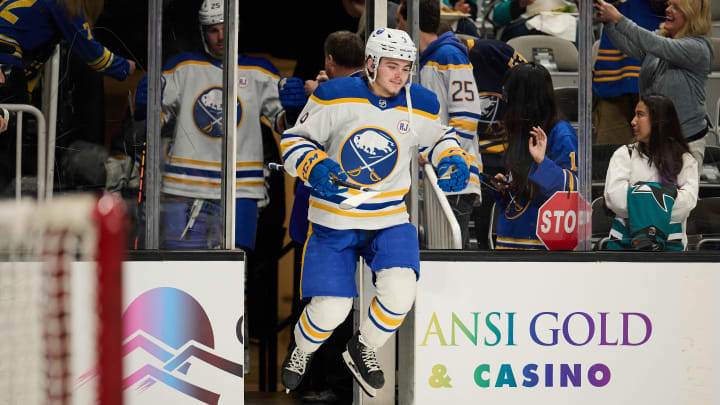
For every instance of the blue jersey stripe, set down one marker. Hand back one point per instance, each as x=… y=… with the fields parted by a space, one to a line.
x=337 y=199
x=210 y=173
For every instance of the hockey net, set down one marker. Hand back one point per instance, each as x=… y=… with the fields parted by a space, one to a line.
x=61 y=300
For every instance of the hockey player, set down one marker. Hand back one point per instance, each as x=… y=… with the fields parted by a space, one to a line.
x=540 y=158
x=29 y=31
x=362 y=130
x=192 y=100
x=446 y=70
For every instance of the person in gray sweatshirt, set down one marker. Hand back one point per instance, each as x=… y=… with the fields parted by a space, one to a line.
x=676 y=60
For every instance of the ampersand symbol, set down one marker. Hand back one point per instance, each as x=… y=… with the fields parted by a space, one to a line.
x=438 y=378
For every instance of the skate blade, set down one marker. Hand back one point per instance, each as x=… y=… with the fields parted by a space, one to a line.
x=372 y=392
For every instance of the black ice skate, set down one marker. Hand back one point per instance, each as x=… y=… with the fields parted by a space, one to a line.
x=294 y=366
x=363 y=364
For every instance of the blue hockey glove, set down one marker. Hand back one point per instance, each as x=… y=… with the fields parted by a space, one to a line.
x=319 y=178
x=456 y=180
x=292 y=97
x=140 y=113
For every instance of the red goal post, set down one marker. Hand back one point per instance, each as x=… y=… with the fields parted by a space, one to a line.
x=61 y=300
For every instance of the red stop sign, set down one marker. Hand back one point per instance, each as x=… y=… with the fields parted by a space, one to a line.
x=558 y=220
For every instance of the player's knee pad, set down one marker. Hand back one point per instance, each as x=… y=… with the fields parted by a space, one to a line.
x=329 y=312
x=319 y=319
x=396 y=288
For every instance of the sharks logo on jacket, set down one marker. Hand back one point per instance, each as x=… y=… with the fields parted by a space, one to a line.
x=369 y=155
x=663 y=194
x=207 y=112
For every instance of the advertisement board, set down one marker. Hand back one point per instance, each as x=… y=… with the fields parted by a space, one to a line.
x=183 y=339
x=567 y=333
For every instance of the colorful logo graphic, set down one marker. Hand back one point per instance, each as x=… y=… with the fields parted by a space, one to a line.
x=369 y=155
x=207 y=112
x=167 y=335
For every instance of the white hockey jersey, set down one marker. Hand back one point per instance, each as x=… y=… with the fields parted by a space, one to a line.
x=192 y=98
x=370 y=137
x=446 y=70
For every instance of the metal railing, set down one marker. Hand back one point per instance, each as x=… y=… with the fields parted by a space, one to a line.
x=442 y=230
x=45 y=131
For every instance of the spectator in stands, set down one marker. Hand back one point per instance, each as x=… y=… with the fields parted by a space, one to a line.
x=446 y=70
x=540 y=158
x=675 y=62
x=29 y=31
x=490 y=59
x=507 y=14
x=652 y=184
x=615 y=78
x=192 y=100
x=465 y=25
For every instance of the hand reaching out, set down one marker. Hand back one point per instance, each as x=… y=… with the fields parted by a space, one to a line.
x=606 y=12
x=537 y=144
x=311 y=85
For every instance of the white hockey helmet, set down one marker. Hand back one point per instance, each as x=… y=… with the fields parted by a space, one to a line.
x=391 y=43
x=211 y=12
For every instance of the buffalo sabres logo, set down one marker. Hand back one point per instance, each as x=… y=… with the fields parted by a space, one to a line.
x=369 y=155
x=490 y=104
x=207 y=112
x=663 y=194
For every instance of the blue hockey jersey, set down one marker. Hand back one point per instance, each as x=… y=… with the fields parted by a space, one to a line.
x=30 y=29
x=517 y=221
x=614 y=72
x=446 y=71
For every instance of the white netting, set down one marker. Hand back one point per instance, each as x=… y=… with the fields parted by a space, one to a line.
x=38 y=245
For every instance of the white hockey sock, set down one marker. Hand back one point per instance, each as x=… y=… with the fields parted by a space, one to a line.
x=395 y=295
x=318 y=320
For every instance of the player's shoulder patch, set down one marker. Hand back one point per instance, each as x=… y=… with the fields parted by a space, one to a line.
x=258 y=62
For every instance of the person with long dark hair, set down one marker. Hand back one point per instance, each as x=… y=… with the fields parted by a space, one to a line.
x=657 y=164
x=540 y=158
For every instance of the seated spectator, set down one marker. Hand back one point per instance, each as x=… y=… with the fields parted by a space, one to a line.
x=676 y=61
x=540 y=158
x=29 y=32
x=507 y=14
x=466 y=25
x=652 y=184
